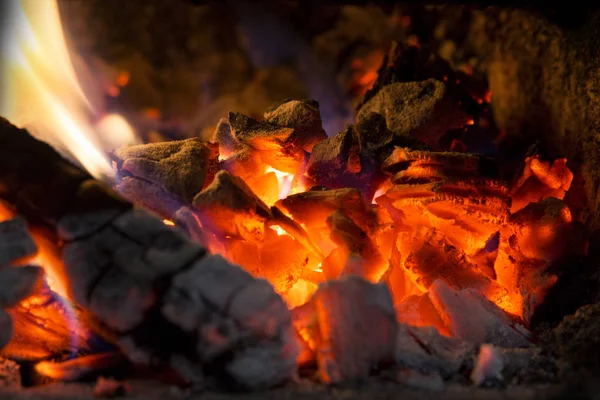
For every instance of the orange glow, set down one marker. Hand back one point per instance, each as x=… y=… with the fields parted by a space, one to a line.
x=123 y=79
x=434 y=219
x=78 y=367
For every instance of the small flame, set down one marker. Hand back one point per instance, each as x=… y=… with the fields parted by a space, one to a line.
x=41 y=91
x=279 y=230
x=168 y=222
x=285 y=182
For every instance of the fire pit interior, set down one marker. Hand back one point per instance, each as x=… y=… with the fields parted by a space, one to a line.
x=265 y=199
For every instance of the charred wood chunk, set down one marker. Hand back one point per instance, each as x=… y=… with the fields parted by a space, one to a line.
x=330 y=156
x=425 y=350
x=373 y=132
x=355 y=328
x=257 y=134
x=245 y=163
x=223 y=135
x=472 y=317
x=377 y=141
x=148 y=195
x=304 y=117
x=541 y=179
x=419 y=163
x=15 y=241
x=419 y=311
x=262 y=143
x=340 y=162
x=279 y=259
x=424 y=110
x=437 y=259
x=18 y=283
x=237 y=316
x=180 y=168
x=229 y=207
x=540 y=229
x=344 y=232
x=314 y=206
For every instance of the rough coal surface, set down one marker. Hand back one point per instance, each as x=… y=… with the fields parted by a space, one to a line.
x=304 y=117
x=420 y=109
x=578 y=337
x=180 y=167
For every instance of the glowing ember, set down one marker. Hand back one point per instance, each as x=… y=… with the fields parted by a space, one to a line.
x=36 y=64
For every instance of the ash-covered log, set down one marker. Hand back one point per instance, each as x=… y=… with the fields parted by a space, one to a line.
x=138 y=277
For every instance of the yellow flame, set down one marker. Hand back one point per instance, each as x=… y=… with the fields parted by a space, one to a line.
x=287 y=186
x=41 y=92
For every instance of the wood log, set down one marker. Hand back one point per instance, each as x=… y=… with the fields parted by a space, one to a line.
x=135 y=275
x=15 y=241
x=18 y=283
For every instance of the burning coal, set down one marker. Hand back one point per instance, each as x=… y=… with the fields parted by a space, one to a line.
x=270 y=246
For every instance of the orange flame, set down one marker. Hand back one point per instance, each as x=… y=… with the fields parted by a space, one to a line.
x=41 y=92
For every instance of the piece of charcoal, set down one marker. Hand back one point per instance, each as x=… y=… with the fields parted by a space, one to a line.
x=472 y=317
x=15 y=241
x=179 y=168
x=355 y=328
x=540 y=229
x=229 y=207
x=224 y=136
x=257 y=134
x=344 y=232
x=540 y=179
x=245 y=163
x=304 y=117
x=419 y=311
x=424 y=110
x=425 y=350
x=312 y=207
x=330 y=156
x=436 y=258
